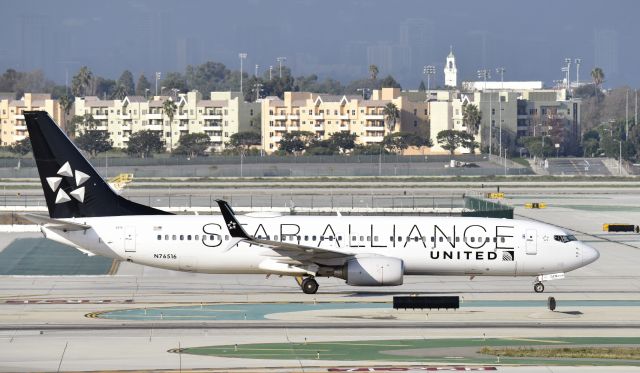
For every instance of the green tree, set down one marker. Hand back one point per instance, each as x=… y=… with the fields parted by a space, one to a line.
x=104 y=87
x=468 y=141
x=422 y=87
x=143 y=86
x=193 y=144
x=534 y=145
x=175 y=80
x=369 y=149
x=295 y=142
x=389 y=82
x=21 y=147
x=81 y=81
x=126 y=81
x=144 y=143
x=170 y=109
x=471 y=118
x=400 y=141
x=244 y=140
x=451 y=140
x=94 y=142
x=119 y=93
x=80 y=123
x=65 y=103
x=343 y=141
x=373 y=72
x=391 y=115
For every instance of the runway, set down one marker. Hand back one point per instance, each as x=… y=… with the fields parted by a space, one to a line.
x=42 y=316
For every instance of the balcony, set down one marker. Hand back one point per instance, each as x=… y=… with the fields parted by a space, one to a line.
x=374 y=117
x=19 y=137
x=215 y=138
x=154 y=116
x=294 y=116
x=374 y=128
x=101 y=128
x=21 y=127
x=343 y=116
x=19 y=117
x=100 y=116
x=182 y=116
x=318 y=127
x=153 y=127
x=318 y=116
x=276 y=138
x=212 y=127
x=122 y=116
x=371 y=138
x=212 y=116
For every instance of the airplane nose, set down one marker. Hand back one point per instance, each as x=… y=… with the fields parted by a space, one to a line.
x=589 y=255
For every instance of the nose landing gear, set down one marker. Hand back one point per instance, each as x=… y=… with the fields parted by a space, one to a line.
x=538 y=287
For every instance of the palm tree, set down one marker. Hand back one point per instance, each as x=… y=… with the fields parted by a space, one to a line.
x=120 y=92
x=391 y=114
x=373 y=72
x=471 y=117
x=65 y=104
x=597 y=75
x=170 y=110
x=81 y=81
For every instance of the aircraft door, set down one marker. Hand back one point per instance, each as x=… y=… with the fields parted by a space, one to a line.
x=531 y=239
x=130 y=239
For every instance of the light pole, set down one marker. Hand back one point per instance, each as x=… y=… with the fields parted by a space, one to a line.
x=242 y=57
x=429 y=71
x=568 y=70
x=175 y=92
x=257 y=88
x=363 y=90
x=280 y=61
x=578 y=61
x=162 y=89
x=146 y=93
x=485 y=74
x=256 y=71
x=501 y=70
x=270 y=72
x=626 y=118
x=158 y=73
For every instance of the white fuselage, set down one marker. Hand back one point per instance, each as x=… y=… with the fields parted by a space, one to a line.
x=426 y=245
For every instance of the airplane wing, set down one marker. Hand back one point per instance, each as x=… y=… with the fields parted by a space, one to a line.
x=55 y=223
x=299 y=254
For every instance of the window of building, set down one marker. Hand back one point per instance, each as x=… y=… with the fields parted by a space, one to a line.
x=415 y=123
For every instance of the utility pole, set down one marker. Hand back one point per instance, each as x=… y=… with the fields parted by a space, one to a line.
x=256 y=71
x=486 y=74
x=578 y=61
x=280 y=61
x=258 y=86
x=568 y=70
x=270 y=72
x=242 y=57
x=626 y=118
x=363 y=92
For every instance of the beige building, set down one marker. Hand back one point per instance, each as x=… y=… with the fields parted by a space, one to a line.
x=325 y=115
x=224 y=114
x=12 y=124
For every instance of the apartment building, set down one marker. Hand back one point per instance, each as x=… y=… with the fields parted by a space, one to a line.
x=325 y=115
x=12 y=125
x=224 y=114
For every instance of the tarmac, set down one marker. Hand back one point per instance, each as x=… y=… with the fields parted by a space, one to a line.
x=113 y=322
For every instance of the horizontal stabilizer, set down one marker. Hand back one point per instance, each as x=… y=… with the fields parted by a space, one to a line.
x=55 y=223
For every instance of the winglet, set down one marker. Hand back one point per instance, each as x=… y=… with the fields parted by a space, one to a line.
x=235 y=229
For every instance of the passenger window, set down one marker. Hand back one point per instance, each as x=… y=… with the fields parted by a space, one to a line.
x=473 y=239
x=166 y=237
x=182 y=237
x=361 y=238
x=330 y=238
x=495 y=239
x=226 y=237
x=306 y=238
x=196 y=237
x=189 y=237
x=486 y=239
x=391 y=238
x=339 y=238
x=314 y=238
x=399 y=238
x=174 y=237
x=457 y=239
x=159 y=237
x=433 y=239
x=211 y=237
x=368 y=238
x=441 y=239
x=375 y=238
x=502 y=240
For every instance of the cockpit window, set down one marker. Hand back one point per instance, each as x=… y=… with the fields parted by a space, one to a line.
x=565 y=239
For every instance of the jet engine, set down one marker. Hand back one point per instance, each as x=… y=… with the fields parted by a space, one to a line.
x=373 y=271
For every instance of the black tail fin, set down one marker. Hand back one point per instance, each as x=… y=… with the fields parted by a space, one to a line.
x=72 y=187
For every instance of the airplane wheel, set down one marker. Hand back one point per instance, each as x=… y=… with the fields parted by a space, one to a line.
x=309 y=285
x=538 y=287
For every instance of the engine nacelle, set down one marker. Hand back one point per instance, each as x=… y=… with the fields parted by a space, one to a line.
x=374 y=271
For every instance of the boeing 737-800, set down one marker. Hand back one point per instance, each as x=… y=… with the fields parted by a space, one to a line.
x=85 y=213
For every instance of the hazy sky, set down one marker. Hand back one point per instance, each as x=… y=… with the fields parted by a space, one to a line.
x=334 y=38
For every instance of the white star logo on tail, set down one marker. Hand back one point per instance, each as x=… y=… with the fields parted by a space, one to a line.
x=231 y=225
x=66 y=171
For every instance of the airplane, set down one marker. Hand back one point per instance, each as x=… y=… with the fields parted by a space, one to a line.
x=85 y=213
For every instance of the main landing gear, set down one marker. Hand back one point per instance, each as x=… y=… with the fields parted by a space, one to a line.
x=538 y=287
x=309 y=285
